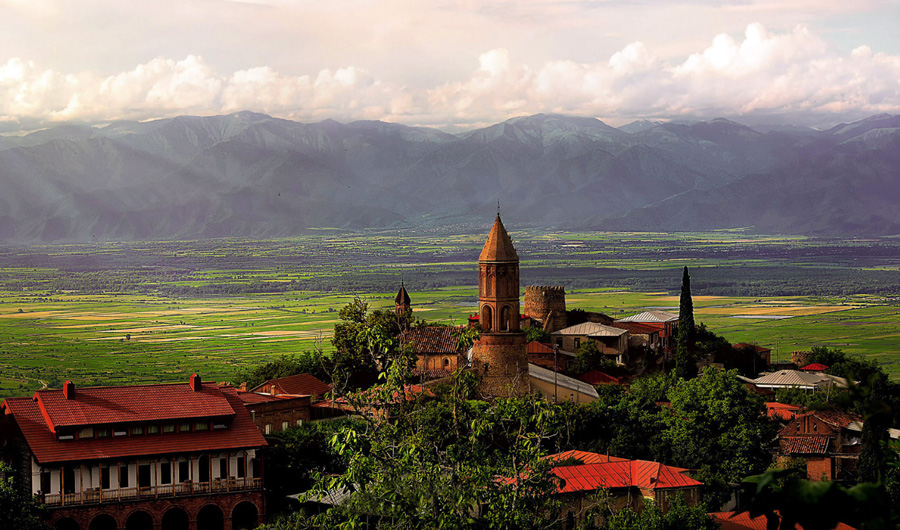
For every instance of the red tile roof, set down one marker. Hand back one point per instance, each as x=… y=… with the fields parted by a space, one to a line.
x=252 y=398
x=781 y=411
x=815 y=444
x=125 y=404
x=298 y=384
x=536 y=348
x=836 y=418
x=636 y=328
x=610 y=472
x=743 y=521
x=596 y=377
x=815 y=367
x=431 y=339
x=584 y=457
x=242 y=434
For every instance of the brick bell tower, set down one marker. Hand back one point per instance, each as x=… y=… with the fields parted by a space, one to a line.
x=500 y=359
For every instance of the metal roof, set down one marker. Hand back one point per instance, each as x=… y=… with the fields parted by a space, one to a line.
x=591 y=329
x=564 y=381
x=651 y=316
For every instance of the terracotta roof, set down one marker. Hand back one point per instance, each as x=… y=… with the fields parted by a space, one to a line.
x=402 y=296
x=591 y=329
x=298 y=384
x=621 y=473
x=781 y=411
x=743 y=521
x=253 y=398
x=651 y=316
x=538 y=348
x=836 y=418
x=125 y=404
x=499 y=246
x=636 y=328
x=815 y=367
x=431 y=339
x=46 y=448
x=596 y=377
x=584 y=456
x=815 y=444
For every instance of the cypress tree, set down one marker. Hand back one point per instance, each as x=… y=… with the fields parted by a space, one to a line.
x=685 y=364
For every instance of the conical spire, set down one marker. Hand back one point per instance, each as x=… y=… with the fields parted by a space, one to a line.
x=499 y=246
x=402 y=296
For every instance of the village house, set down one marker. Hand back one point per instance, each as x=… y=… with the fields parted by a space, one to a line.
x=829 y=441
x=611 y=342
x=182 y=456
x=434 y=348
x=628 y=483
x=663 y=321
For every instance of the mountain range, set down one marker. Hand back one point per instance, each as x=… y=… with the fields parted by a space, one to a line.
x=252 y=175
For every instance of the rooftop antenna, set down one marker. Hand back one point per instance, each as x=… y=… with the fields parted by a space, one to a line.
x=498 y=207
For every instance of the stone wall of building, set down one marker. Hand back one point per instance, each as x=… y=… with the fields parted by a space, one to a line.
x=501 y=362
x=541 y=301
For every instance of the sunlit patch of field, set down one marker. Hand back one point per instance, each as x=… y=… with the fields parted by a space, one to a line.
x=772 y=311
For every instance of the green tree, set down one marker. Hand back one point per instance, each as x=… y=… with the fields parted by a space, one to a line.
x=685 y=359
x=17 y=509
x=536 y=333
x=588 y=357
x=366 y=343
x=717 y=426
x=680 y=516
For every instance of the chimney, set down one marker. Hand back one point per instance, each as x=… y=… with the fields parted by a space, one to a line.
x=69 y=390
x=196 y=384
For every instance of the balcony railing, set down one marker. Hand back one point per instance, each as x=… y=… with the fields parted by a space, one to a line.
x=182 y=489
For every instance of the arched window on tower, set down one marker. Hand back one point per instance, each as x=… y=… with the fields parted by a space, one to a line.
x=487 y=318
x=505 y=318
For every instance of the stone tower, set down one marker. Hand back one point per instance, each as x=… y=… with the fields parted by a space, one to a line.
x=500 y=358
x=547 y=304
x=402 y=303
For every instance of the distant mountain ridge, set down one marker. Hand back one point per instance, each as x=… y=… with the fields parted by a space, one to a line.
x=252 y=175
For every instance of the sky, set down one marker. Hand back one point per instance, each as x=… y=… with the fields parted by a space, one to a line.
x=450 y=64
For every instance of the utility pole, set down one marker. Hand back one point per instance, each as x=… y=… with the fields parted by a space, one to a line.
x=555 y=371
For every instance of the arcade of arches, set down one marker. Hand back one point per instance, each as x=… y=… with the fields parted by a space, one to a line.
x=221 y=512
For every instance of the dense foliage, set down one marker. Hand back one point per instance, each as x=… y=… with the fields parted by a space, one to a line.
x=18 y=510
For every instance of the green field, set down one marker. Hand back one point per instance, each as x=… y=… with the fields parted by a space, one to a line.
x=121 y=313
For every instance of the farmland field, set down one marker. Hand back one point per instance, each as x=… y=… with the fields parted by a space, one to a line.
x=125 y=312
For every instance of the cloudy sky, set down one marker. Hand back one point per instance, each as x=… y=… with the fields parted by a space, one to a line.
x=453 y=64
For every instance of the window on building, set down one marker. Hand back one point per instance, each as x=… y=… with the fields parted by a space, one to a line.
x=284 y=425
x=144 y=476
x=184 y=473
x=559 y=342
x=223 y=467
x=66 y=436
x=268 y=428
x=169 y=427
x=68 y=477
x=104 y=477
x=102 y=433
x=153 y=429
x=46 y=478
x=87 y=432
x=577 y=342
x=240 y=467
x=165 y=473
x=217 y=426
x=201 y=426
x=184 y=427
x=204 y=468
x=120 y=433
x=123 y=476
x=137 y=430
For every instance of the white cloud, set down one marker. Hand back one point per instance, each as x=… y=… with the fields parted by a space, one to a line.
x=793 y=72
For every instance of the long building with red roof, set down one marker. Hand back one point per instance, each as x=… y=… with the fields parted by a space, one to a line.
x=175 y=456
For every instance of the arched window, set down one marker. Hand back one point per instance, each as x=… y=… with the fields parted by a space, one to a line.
x=487 y=318
x=505 y=318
